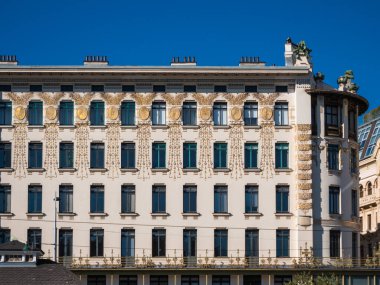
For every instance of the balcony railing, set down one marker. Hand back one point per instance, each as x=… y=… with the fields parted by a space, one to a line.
x=367 y=200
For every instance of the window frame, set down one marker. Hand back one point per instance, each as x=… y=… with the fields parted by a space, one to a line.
x=189 y=155
x=128 y=155
x=128 y=199
x=333 y=157
x=66 y=155
x=5 y=198
x=158 y=155
x=35 y=113
x=189 y=199
x=97 y=155
x=5 y=113
x=158 y=242
x=34 y=199
x=158 y=199
x=66 y=113
x=251 y=155
x=158 y=113
x=96 y=242
x=66 y=198
x=282 y=242
x=281 y=150
x=221 y=199
x=220 y=243
x=282 y=199
x=5 y=154
x=97 y=111
x=128 y=113
x=97 y=199
x=220 y=151
x=35 y=155
x=334 y=200
x=219 y=113
x=34 y=238
x=250 y=192
x=251 y=111
x=189 y=113
x=335 y=243
x=281 y=113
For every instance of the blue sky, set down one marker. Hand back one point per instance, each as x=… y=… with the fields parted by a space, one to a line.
x=342 y=34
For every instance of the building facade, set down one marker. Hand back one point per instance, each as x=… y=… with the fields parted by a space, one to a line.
x=181 y=174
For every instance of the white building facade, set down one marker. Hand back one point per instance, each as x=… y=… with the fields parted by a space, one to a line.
x=181 y=174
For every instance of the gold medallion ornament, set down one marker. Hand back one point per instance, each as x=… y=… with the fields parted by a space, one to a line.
x=144 y=113
x=205 y=113
x=236 y=113
x=81 y=113
x=112 y=113
x=174 y=114
x=51 y=113
x=266 y=113
x=20 y=113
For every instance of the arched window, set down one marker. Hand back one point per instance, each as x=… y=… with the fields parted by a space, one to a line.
x=361 y=192
x=375 y=184
x=369 y=188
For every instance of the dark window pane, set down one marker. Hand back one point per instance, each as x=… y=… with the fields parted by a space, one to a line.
x=34 y=239
x=159 y=113
x=66 y=155
x=97 y=199
x=159 y=155
x=65 y=198
x=5 y=235
x=35 y=199
x=97 y=113
x=35 y=88
x=128 y=88
x=251 y=199
x=251 y=88
x=97 y=155
x=220 y=88
x=35 y=113
x=189 y=199
x=127 y=243
x=189 y=113
x=96 y=280
x=5 y=199
x=96 y=242
x=97 y=88
x=282 y=155
x=128 y=198
x=128 y=155
x=5 y=113
x=65 y=242
x=5 y=155
x=159 y=88
x=333 y=156
x=220 y=114
x=5 y=88
x=220 y=199
x=220 y=243
x=159 y=199
x=282 y=243
x=127 y=279
x=158 y=242
x=127 y=113
x=334 y=200
x=334 y=243
x=189 y=243
x=280 y=88
x=35 y=155
x=220 y=155
x=190 y=88
x=66 y=113
x=282 y=199
x=250 y=113
x=67 y=88
x=220 y=280
x=281 y=114
x=189 y=155
x=252 y=243
x=250 y=155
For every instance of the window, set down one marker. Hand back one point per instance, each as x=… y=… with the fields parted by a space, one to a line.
x=373 y=140
x=97 y=155
x=65 y=242
x=220 y=114
x=5 y=199
x=159 y=280
x=334 y=193
x=220 y=155
x=352 y=122
x=354 y=161
x=369 y=222
x=97 y=199
x=220 y=88
x=35 y=88
x=334 y=243
x=250 y=88
x=281 y=114
x=250 y=113
x=159 y=155
x=66 y=113
x=35 y=113
x=250 y=155
x=158 y=242
x=128 y=155
x=96 y=242
x=251 y=199
x=127 y=279
x=333 y=156
x=128 y=113
x=282 y=155
x=282 y=280
x=128 y=88
x=97 y=113
x=331 y=115
x=189 y=243
x=65 y=198
x=189 y=113
x=5 y=113
x=5 y=235
x=66 y=155
x=96 y=280
x=220 y=243
x=190 y=88
x=251 y=280
x=361 y=191
x=127 y=242
x=35 y=155
x=159 y=199
x=282 y=243
x=97 y=88
x=158 y=113
x=35 y=199
x=220 y=280
x=5 y=155
x=220 y=199
x=159 y=88
x=252 y=243
x=128 y=199
x=189 y=155
x=354 y=245
x=34 y=239
x=282 y=88
x=369 y=188
x=5 y=88
x=354 y=203
x=189 y=280
x=189 y=199
x=282 y=199
x=67 y=88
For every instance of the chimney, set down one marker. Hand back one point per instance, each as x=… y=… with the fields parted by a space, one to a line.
x=290 y=58
x=8 y=60
x=251 y=61
x=187 y=61
x=95 y=60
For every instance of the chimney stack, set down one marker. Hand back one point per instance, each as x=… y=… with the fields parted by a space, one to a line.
x=8 y=60
x=95 y=60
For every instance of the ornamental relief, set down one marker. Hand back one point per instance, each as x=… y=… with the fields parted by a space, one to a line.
x=51 y=149
x=113 y=149
x=82 y=134
x=20 y=146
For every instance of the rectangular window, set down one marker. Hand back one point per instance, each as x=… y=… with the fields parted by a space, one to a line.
x=282 y=155
x=66 y=198
x=354 y=203
x=251 y=243
x=282 y=199
x=35 y=113
x=220 y=243
x=35 y=199
x=282 y=280
x=159 y=280
x=97 y=88
x=35 y=155
x=158 y=113
x=127 y=243
x=354 y=245
x=34 y=239
x=352 y=122
x=332 y=115
x=97 y=199
x=250 y=88
x=159 y=88
x=5 y=88
x=189 y=199
x=281 y=114
x=5 y=113
x=128 y=199
x=159 y=199
x=67 y=88
x=128 y=112
x=189 y=155
x=189 y=280
x=220 y=114
x=251 y=199
x=35 y=88
x=220 y=280
x=127 y=279
x=97 y=113
x=66 y=155
x=189 y=244
x=65 y=242
x=250 y=113
x=5 y=235
x=251 y=280
x=220 y=88
x=128 y=88
x=189 y=113
x=369 y=222
x=97 y=155
x=96 y=242
x=282 y=88
x=5 y=155
x=158 y=242
x=96 y=280
x=159 y=155
x=334 y=197
x=282 y=243
x=334 y=243
x=66 y=113
x=5 y=199
x=333 y=156
x=250 y=155
x=190 y=88
x=354 y=161
x=220 y=155
x=220 y=199
x=128 y=155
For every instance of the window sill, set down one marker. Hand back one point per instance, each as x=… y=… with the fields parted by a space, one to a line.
x=36 y=126
x=221 y=127
x=66 y=126
x=128 y=127
x=335 y=216
x=35 y=214
x=36 y=169
x=190 y=127
x=160 y=214
x=98 y=169
x=257 y=214
x=334 y=172
x=158 y=127
x=68 y=169
x=6 y=214
x=6 y=127
x=252 y=169
x=66 y=214
x=283 y=170
x=6 y=169
x=98 y=214
x=252 y=127
x=285 y=214
x=129 y=169
x=98 y=127
x=191 y=169
x=160 y=170
x=129 y=214
x=221 y=214
x=222 y=170
x=282 y=127
x=191 y=214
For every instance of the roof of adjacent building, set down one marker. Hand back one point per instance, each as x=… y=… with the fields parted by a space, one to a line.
x=368 y=135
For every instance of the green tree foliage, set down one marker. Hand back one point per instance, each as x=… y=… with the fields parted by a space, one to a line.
x=327 y=279
x=303 y=278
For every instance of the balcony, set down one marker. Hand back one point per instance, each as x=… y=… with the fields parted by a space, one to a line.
x=368 y=200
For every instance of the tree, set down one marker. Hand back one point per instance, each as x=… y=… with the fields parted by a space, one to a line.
x=303 y=278
x=327 y=279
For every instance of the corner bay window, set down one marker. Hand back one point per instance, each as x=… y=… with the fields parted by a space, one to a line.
x=334 y=197
x=282 y=155
x=220 y=155
x=35 y=199
x=97 y=155
x=158 y=242
x=5 y=113
x=5 y=155
x=250 y=155
x=35 y=113
x=159 y=199
x=97 y=113
x=159 y=155
x=66 y=113
x=35 y=155
x=220 y=114
x=96 y=242
x=250 y=113
x=158 y=113
x=127 y=114
x=97 y=199
x=220 y=243
x=282 y=243
x=189 y=155
x=128 y=155
x=220 y=199
x=189 y=113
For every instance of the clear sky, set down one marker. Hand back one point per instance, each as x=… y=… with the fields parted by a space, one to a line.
x=342 y=34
